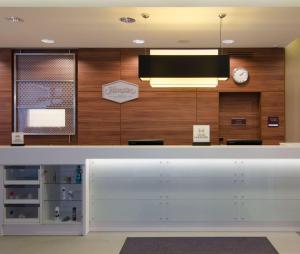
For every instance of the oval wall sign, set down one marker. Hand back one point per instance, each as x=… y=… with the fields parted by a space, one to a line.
x=120 y=91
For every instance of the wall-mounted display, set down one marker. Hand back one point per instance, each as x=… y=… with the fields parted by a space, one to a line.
x=44 y=89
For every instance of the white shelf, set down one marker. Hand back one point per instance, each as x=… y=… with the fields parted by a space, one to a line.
x=21 y=201
x=21 y=182
x=22 y=221
x=53 y=222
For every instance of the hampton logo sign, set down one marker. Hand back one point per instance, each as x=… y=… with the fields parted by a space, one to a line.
x=120 y=91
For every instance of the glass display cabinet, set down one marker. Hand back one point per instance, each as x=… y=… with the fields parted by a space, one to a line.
x=62 y=194
x=44 y=199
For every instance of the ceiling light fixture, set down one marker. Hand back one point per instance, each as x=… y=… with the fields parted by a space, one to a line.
x=138 y=41
x=183 y=41
x=228 y=41
x=185 y=68
x=127 y=20
x=14 y=19
x=48 y=41
x=145 y=15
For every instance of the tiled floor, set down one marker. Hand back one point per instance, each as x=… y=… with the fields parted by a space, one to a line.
x=111 y=243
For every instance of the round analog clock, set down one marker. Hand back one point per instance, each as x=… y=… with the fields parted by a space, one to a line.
x=240 y=75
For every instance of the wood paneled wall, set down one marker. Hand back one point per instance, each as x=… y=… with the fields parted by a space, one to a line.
x=5 y=96
x=158 y=113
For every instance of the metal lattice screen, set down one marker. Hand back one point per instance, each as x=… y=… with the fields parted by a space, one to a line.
x=45 y=94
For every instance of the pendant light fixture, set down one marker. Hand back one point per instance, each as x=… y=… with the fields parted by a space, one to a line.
x=185 y=68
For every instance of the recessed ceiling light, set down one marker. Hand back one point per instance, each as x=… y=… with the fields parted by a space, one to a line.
x=138 y=41
x=14 y=19
x=228 y=41
x=183 y=41
x=127 y=20
x=145 y=15
x=48 y=41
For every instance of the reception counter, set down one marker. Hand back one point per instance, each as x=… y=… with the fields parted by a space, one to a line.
x=78 y=154
x=157 y=188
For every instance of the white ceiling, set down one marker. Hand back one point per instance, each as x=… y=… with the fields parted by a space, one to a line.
x=146 y=3
x=100 y=27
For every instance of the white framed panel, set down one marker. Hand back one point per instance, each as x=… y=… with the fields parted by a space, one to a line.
x=39 y=118
x=44 y=82
x=270 y=210
x=202 y=210
x=126 y=210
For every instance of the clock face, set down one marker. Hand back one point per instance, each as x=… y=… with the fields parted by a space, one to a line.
x=240 y=75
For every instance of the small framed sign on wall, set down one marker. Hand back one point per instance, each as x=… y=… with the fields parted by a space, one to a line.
x=273 y=121
x=201 y=135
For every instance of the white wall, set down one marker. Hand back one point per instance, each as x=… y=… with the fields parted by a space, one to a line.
x=292 y=91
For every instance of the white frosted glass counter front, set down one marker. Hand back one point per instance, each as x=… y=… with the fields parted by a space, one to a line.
x=176 y=187
x=194 y=194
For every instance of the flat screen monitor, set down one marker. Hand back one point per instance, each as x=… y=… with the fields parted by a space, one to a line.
x=146 y=142
x=245 y=142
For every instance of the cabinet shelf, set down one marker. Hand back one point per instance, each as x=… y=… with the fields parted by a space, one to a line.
x=22 y=221
x=21 y=182
x=64 y=183
x=21 y=201
x=61 y=200
x=62 y=222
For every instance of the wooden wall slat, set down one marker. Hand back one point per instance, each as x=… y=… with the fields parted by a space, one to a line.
x=272 y=104
x=5 y=96
x=160 y=115
x=265 y=66
x=49 y=140
x=208 y=112
x=96 y=68
x=98 y=120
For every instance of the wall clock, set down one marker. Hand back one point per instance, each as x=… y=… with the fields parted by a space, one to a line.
x=240 y=75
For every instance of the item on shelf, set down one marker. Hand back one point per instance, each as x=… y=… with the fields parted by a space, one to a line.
x=29 y=196
x=67 y=218
x=78 y=175
x=63 y=193
x=21 y=216
x=70 y=195
x=74 y=214
x=11 y=213
x=68 y=179
x=56 y=213
x=12 y=195
x=54 y=177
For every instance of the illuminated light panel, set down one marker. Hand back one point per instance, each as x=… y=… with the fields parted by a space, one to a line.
x=182 y=52
x=47 y=118
x=184 y=82
x=145 y=79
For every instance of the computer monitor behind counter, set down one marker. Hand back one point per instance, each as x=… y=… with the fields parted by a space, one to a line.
x=247 y=142
x=146 y=142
